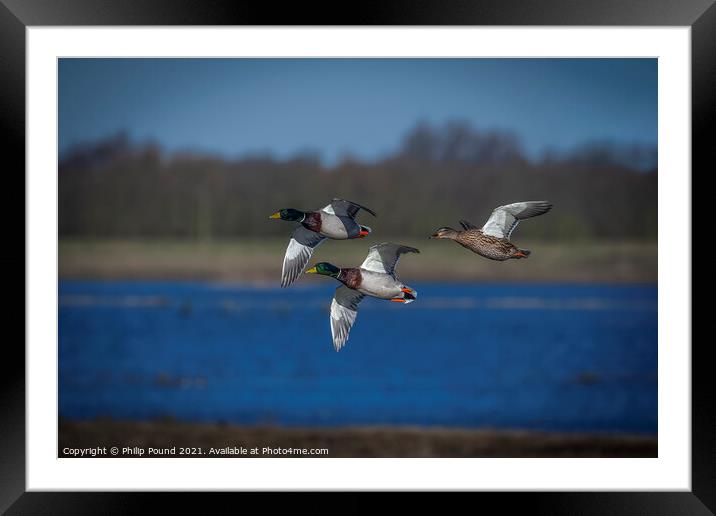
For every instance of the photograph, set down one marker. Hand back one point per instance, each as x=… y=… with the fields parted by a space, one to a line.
x=254 y=257
x=434 y=247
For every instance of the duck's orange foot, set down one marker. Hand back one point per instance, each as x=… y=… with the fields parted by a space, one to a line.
x=398 y=300
x=364 y=232
x=520 y=254
x=409 y=295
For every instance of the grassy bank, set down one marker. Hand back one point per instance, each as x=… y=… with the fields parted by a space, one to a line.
x=259 y=261
x=355 y=442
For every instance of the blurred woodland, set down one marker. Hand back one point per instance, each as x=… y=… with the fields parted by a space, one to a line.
x=120 y=189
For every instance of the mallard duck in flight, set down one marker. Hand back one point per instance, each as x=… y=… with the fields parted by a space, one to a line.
x=375 y=277
x=493 y=239
x=336 y=221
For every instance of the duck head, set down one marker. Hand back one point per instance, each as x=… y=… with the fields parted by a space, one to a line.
x=325 y=269
x=289 y=214
x=444 y=232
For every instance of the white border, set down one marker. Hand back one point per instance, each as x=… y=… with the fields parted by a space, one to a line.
x=670 y=471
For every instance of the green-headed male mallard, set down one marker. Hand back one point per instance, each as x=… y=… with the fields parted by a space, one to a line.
x=493 y=239
x=375 y=277
x=336 y=221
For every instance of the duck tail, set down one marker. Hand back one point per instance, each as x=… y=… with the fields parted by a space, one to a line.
x=522 y=253
x=409 y=295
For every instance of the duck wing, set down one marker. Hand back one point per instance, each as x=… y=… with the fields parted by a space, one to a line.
x=467 y=225
x=384 y=257
x=299 y=251
x=504 y=219
x=343 y=208
x=344 y=309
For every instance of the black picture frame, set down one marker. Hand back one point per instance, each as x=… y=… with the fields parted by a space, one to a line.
x=17 y=15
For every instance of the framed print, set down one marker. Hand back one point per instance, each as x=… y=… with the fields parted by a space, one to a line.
x=235 y=278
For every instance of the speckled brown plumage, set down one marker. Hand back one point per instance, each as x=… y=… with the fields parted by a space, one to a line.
x=493 y=239
x=350 y=277
x=486 y=245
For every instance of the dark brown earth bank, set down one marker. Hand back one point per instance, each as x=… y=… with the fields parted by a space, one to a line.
x=184 y=440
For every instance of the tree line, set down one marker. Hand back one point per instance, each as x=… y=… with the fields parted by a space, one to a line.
x=119 y=189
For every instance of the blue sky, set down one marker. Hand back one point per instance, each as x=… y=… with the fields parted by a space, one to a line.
x=359 y=106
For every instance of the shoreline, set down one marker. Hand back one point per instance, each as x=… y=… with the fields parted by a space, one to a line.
x=258 y=261
x=351 y=441
x=273 y=284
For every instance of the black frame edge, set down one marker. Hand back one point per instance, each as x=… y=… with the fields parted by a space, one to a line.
x=12 y=132
x=703 y=126
x=370 y=12
x=700 y=14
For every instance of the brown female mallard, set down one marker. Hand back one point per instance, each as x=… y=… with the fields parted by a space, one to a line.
x=493 y=239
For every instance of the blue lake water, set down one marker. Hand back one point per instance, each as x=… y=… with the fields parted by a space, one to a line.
x=552 y=357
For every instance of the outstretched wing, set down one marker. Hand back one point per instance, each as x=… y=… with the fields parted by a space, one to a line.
x=299 y=251
x=384 y=257
x=467 y=225
x=343 y=208
x=504 y=219
x=344 y=309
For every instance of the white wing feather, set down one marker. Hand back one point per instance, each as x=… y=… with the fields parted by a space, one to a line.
x=299 y=251
x=504 y=219
x=344 y=310
x=374 y=262
x=384 y=257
